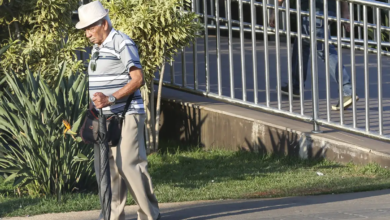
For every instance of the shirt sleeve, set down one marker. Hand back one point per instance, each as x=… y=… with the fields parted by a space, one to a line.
x=129 y=55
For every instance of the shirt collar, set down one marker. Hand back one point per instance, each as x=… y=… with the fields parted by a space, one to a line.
x=108 y=38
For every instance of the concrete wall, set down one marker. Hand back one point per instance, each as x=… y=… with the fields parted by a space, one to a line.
x=211 y=128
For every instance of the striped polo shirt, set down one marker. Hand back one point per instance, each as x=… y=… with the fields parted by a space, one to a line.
x=117 y=54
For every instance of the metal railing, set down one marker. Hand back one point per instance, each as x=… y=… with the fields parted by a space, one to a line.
x=200 y=77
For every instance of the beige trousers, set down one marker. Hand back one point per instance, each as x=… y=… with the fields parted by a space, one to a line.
x=128 y=170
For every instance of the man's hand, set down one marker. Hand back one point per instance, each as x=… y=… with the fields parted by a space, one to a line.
x=272 y=15
x=345 y=14
x=272 y=19
x=100 y=100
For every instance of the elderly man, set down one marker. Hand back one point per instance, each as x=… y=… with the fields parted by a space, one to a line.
x=115 y=72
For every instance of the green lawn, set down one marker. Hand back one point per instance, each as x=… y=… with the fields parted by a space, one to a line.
x=211 y=175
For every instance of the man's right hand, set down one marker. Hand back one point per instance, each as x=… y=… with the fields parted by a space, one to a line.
x=345 y=14
x=272 y=15
x=272 y=19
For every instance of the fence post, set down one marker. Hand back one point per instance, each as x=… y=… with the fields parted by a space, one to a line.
x=314 y=68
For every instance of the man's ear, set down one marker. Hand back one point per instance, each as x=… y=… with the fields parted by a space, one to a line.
x=105 y=25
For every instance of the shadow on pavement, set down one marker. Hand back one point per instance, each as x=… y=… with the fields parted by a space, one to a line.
x=227 y=208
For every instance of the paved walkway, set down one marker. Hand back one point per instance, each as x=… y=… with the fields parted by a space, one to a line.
x=354 y=206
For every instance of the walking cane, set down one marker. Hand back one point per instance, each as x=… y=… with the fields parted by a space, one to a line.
x=104 y=181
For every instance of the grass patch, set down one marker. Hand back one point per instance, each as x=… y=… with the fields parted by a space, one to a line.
x=189 y=175
x=5 y=188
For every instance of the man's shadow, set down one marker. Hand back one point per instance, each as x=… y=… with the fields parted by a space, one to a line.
x=218 y=209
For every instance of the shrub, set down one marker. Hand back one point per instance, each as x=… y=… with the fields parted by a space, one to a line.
x=34 y=151
x=42 y=33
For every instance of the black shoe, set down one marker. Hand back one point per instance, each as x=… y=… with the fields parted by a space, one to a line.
x=159 y=216
x=347 y=101
x=295 y=92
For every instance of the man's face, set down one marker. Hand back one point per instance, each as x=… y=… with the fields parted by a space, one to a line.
x=96 y=32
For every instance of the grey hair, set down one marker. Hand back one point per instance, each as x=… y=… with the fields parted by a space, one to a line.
x=107 y=18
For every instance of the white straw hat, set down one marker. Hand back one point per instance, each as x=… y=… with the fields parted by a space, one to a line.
x=90 y=13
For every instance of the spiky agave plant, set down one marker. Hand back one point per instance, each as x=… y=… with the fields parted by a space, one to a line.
x=35 y=153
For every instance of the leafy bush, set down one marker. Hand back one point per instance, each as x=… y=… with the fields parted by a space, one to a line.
x=34 y=151
x=42 y=33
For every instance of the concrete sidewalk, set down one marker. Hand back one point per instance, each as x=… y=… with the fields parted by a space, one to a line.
x=365 y=205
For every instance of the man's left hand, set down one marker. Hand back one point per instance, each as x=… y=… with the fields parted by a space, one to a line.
x=100 y=100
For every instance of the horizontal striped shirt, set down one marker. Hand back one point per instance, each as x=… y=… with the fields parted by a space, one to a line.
x=117 y=54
